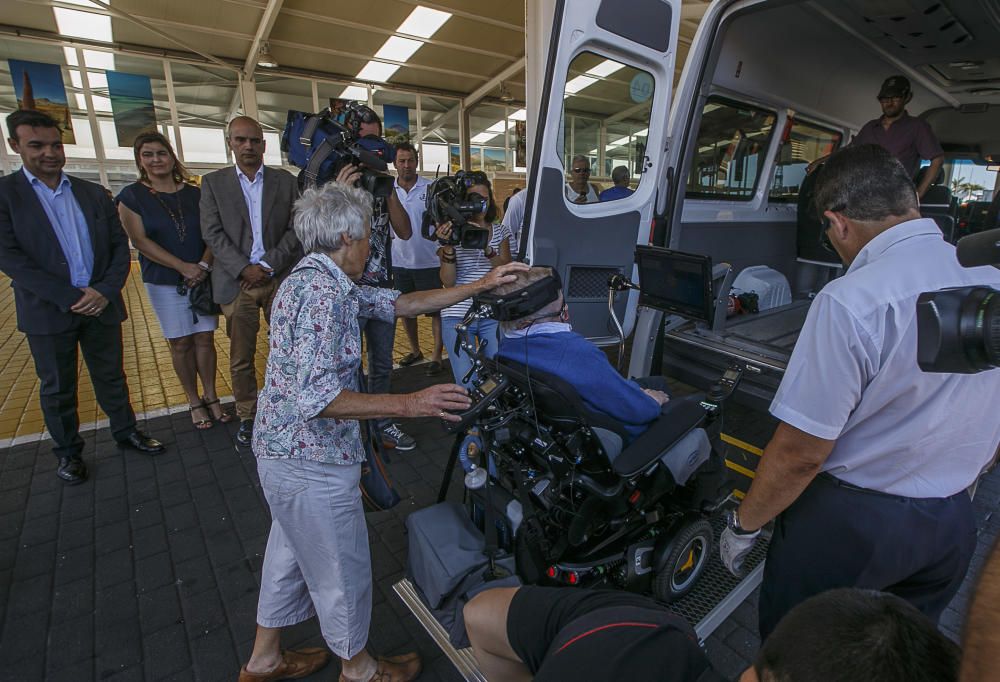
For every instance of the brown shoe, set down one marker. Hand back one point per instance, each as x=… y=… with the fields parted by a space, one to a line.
x=402 y=668
x=294 y=664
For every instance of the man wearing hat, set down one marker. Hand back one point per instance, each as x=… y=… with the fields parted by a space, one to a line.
x=907 y=138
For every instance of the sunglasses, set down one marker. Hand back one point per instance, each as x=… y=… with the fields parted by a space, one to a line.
x=581 y=171
x=824 y=236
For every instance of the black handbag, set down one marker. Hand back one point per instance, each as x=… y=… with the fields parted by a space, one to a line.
x=200 y=300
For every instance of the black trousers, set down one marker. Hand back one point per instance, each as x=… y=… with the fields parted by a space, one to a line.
x=56 y=363
x=836 y=535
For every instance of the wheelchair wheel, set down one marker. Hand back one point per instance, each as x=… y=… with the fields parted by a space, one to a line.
x=686 y=561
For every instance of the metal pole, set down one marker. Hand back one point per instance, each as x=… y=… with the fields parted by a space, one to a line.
x=420 y=133
x=168 y=75
x=95 y=128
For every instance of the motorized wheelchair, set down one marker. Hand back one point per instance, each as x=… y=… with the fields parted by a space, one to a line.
x=561 y=487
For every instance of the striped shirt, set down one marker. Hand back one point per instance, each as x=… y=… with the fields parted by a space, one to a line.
x=472 y=264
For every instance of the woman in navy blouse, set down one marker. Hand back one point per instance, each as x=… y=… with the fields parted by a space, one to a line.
x=160 y=215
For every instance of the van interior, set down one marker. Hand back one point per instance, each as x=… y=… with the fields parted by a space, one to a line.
x=770 y=87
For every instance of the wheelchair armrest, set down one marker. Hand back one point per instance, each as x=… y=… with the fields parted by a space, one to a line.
x=679 y=416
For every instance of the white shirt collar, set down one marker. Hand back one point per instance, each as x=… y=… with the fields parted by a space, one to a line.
x=421 y=181
x=882 y=242
x=32 y=180
x=256 y=176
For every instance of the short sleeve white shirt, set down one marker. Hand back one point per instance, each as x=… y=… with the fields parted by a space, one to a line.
x=513 y=218
x=415 y=253
x=853 y=376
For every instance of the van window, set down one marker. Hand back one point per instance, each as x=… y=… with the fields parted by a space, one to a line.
x=803 y=144
x=732 y=143
x=606 y=108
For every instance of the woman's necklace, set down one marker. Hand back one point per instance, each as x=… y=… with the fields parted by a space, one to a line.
x=178 y=217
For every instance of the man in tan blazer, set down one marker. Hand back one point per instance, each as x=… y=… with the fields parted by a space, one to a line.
x=246 y=218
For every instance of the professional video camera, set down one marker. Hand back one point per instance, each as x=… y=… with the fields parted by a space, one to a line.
x=958 y=330
x=321 y=146
x=449 y=199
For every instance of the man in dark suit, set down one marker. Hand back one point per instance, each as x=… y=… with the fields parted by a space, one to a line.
x=246 y=218
x=62 y=245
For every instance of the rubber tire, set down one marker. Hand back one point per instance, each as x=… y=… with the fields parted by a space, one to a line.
x=664 y=588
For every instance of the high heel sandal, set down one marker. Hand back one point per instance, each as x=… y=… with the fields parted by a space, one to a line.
x=224 y=417
x=201 y=424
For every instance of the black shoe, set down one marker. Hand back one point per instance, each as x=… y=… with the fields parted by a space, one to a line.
x=245 y=435
x=72 y=470
x=137 y=440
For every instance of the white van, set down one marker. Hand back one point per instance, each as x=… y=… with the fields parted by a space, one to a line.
x=769 y=86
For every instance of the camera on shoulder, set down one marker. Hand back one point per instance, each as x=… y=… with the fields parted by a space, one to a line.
x=449 y=199
x=958 y=330
x=321 y=145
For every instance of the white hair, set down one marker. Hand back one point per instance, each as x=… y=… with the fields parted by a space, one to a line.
x=323 y=214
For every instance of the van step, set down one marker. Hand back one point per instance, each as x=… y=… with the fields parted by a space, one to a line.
x=712 y=600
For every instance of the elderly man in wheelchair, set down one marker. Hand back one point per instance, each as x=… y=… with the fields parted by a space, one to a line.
x=582 y=476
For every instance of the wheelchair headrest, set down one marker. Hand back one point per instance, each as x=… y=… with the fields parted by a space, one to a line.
x=555 y=399
x=523 y=302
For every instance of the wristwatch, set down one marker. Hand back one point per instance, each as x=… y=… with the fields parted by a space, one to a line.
x=490 y=252
x=204 y=266
x=733 y=524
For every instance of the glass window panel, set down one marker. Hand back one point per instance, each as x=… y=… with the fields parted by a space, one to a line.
x=730 y=149
x=804 y=144
x=275 y=96
x=204 y=145
x=440 y=127
x=604 y=99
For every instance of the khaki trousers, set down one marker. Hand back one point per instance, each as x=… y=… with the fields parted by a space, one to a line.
x=242 y=324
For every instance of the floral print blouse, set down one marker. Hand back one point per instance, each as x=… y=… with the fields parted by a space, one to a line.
x=315 y=354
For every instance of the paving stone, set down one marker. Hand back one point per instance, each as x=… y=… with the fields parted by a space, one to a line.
x=114 y=568
x=79 y=672
x=11 y=524
x=149 y=541
x=35 y=560
x=40 y=530
x=74 y=564
x=76 y=533
x=15 y=478
x=195 y=576
x=153 y=572
x=77 y=502
x=32 y=595
x=8 y=553
x=72 y=600
x=111 y=510
x=71 y=642
x=214 y=655
x=145 y=514
x=203 y=612
x=166 y=652
x=143 y=492
x=117 y=604
x=16 y=500
x=113 y=536
x=24 y=640
x=160 y=608
x=175 y=494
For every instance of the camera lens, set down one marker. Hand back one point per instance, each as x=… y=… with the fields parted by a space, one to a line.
x=958 y=330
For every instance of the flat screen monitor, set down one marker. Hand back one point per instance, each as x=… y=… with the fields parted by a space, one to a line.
x=675 y=282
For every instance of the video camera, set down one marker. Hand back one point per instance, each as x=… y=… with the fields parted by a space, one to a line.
x=321 y=146
x=958 y=330
x=449 y=199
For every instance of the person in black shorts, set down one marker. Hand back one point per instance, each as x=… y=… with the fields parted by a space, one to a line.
x=560 y=633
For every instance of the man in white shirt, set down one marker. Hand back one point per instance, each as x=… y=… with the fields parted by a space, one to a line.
x=415 y=265
x=513 y=218
x=246 y=219
x=867 y=472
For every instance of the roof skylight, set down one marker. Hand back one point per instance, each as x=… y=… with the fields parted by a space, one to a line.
x=72 y=22
x=423 y=22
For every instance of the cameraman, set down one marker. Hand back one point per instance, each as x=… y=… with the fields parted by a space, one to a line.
x=867 y=471
x=462 y=266
x=379 y=335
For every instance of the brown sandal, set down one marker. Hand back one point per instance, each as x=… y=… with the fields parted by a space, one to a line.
x=224 y=417
x=201 y=424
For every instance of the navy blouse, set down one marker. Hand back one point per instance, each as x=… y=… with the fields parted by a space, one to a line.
x=160 y=227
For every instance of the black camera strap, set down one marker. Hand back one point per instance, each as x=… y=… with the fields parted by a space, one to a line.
x=320 y=155
x=309 y=129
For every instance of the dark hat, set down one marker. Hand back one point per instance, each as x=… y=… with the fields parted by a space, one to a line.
x=895 y=86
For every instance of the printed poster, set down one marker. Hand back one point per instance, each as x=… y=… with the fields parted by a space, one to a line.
x=40 y=87
x=396 y=123
x=520 y=137
x=131 y=106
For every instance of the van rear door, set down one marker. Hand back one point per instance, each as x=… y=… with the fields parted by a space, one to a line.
x=605 y=105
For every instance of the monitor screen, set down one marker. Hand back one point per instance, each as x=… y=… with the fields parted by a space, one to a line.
x=675 y=282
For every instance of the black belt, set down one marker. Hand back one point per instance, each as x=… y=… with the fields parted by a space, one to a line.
x=830 y=478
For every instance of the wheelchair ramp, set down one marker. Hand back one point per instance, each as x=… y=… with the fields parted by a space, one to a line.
x=462 y=659
x=712 y=600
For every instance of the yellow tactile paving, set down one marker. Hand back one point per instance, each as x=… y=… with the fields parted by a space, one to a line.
x=152 y=382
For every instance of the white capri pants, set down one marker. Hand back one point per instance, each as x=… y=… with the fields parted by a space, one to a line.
x=317 y=560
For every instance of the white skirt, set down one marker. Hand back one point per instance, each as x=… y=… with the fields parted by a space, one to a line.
x=175 y=316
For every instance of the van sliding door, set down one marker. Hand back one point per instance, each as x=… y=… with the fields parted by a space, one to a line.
x=603 y=115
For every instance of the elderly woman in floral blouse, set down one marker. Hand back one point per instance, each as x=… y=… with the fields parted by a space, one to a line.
x=308 y=443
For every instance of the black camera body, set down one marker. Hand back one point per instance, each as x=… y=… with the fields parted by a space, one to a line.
x=958 y=330
x=449 y=199
x=323 y=144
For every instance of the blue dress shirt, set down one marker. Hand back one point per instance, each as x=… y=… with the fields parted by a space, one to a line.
x=253 y=194
x=69 y=224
